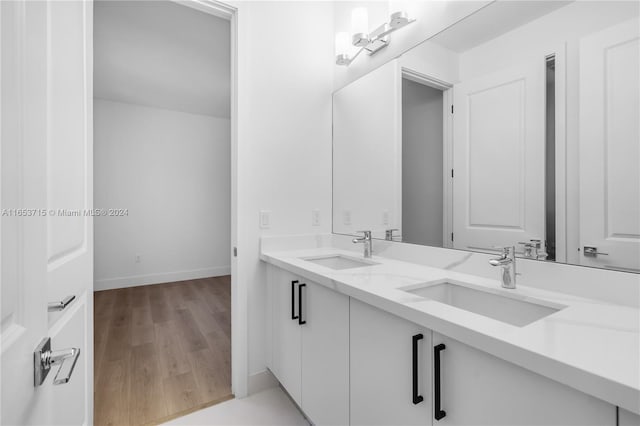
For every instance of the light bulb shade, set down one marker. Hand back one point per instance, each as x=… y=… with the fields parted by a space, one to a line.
x=359 y=21
x=343 y=43
x=399 y=19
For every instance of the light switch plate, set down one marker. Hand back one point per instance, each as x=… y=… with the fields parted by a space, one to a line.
x=265 y=219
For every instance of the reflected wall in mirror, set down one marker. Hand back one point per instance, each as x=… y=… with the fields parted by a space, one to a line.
x=519 y=125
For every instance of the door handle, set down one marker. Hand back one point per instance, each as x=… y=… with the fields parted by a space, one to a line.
x=417 y=398
x=44 y=358
x=293 y=300
x=300 y=320
x=591 y=251
x=439 y=413
x=60 y=306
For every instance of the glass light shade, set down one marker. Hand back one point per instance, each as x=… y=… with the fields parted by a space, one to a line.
x=343 y=43
x=359 y=21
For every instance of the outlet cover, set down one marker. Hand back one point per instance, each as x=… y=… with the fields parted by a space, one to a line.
x=385 y=217
x=315 y=217
x=346 y=217
x=265 y=219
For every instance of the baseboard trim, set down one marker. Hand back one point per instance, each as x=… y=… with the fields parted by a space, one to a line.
x=261 y=381
x=165 y=277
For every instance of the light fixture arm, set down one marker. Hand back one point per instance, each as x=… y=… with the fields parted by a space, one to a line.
x=376 y=39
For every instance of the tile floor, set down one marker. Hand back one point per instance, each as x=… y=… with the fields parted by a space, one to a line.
x=269 y=407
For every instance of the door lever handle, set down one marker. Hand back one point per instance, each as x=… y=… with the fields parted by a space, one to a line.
x=60 y=306
x=44 y=358
x=591 y=251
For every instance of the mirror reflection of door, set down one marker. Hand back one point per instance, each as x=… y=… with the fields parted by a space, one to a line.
x=610 y=148
x=498 y=156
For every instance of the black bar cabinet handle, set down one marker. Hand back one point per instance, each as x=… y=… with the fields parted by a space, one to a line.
x=439 y=413
x=300 y=320
x=417 y=399
x=293 y=300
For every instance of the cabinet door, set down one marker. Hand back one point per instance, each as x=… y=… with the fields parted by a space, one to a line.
x=325 y=355
x=382 y=370
x=285 y=332
x=480 y=389
x=627 y=418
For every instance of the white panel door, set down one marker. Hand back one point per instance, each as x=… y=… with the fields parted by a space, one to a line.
x=325 y=355
x=498 y=154
x=367 y=153
x=610 y=146
x=381 y=369
x=46 y=170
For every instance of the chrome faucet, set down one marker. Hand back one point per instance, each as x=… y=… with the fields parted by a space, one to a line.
x=367 y=241
x=540 y=250
x=388 y=234
x=508 y=263
x=534 y=249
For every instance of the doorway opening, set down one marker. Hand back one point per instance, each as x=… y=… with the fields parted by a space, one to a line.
x=426 y=184
x=550 y=158
x=162 y=175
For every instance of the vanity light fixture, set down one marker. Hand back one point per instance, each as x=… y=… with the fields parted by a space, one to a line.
x=371 y=42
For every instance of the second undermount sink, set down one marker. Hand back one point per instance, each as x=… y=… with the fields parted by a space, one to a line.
x=512 y=310
x=339 y=261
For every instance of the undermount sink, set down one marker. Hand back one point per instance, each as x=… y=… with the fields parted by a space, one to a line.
x=339 y=261
x=512 y=310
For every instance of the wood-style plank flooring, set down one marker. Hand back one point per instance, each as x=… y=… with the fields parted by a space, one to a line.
x=161 y=351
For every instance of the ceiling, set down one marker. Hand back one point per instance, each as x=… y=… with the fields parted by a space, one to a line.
x=162 y=54
x=493 y=20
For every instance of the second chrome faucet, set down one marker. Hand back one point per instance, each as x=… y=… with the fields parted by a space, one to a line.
x=508 y=263
x=367 y=241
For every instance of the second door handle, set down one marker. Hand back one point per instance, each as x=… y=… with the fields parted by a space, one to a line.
x=293 y=302
x=300 y=320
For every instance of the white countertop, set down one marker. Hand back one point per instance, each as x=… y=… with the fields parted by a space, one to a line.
x=590 y=345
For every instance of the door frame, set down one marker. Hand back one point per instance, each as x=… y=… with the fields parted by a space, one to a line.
x=447 y=147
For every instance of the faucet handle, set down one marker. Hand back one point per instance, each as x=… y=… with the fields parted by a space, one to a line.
x=506 y=250
x=367 y=234
x=388 y=234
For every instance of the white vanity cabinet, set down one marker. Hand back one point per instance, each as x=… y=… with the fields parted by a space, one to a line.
x=382 y=369
x=309 y=336
x=480 y=389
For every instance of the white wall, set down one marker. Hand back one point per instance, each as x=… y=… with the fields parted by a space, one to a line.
x=171 y=170
x=433 y=61
x=285 y=79
x=422 y=160
x=162 y=54
x=367 y=134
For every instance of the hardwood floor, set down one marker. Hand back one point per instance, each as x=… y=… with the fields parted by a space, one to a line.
x=161 y=351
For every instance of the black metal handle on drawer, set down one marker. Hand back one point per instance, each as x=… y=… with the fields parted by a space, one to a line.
x=439 y=413
x=293 y=300
x=300 y=320
x=417 y=399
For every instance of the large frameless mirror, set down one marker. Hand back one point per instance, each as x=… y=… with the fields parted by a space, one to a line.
x=517 y=126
